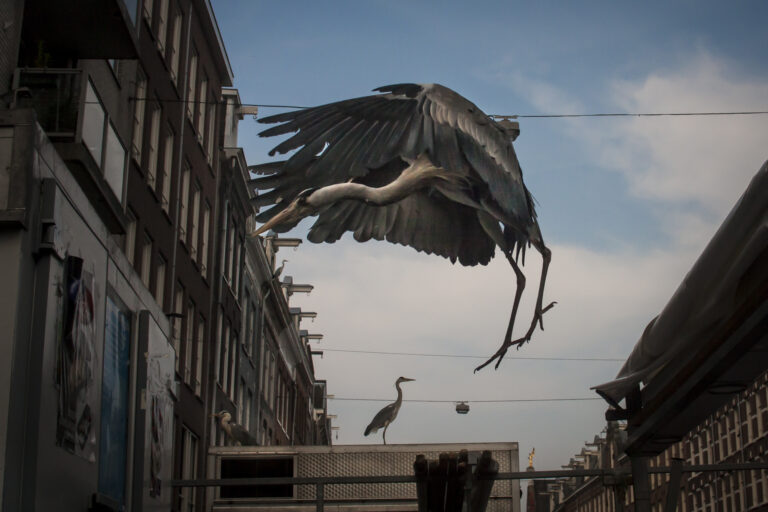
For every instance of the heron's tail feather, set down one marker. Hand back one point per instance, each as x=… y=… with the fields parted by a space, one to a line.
x=370 y=429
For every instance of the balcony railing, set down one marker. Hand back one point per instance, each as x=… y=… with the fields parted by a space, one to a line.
x=55 y=95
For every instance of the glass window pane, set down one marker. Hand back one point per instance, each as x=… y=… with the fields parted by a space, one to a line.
x=93 y=124
x=114 y=163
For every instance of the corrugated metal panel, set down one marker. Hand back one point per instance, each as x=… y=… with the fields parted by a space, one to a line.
x=378 y=460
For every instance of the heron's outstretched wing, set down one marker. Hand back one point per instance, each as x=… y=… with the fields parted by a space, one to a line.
x=349 y=139
x=382 y=418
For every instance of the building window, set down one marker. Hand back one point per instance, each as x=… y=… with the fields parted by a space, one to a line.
x=146 y=10
x=138 y=115
x=101 y=139
x=225 y=358
x=93 y=123
x=218 y=347
x=162 y=25
x=174 y=46
x=195 y=220
x=177 y=307
x=160 y=280
x=246 y=328
x=241 y=402
x=247 y=412
x=204 y=239
x=199 y=356
x=183 y=200
x=189 y=343
x=129 y=245
x=211 y=129
x=166 y=168
x=191 y=85
x=265 y=373
x=114 y=162
x=154 y=144
x=232 y=362
x=236 y=267
x=146 y=259
x=189 y=443
x=224 y=234
x=201 y=108
x=230 y=251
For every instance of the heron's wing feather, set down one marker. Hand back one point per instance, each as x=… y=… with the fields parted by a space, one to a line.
x=424 y=220
x=384 y=416
x=464 y=135
x=349 y=139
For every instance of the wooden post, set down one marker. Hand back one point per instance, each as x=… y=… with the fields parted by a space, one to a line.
x=320 y=497
x=453 y=490
x=421 y=469
x=485 y=472
x=640 y=483
x=673 y=489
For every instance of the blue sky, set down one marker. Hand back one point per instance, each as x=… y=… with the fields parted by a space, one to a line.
x=625 y=203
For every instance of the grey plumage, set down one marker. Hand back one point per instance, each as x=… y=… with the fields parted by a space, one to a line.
x=279 y=270
x=388 y=413
x=234 y=431
x=417 y=165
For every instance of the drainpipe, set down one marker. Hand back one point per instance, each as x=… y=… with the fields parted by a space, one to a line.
x=260 y=361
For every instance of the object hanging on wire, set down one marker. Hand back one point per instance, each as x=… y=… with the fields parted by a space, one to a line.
x=462 y=408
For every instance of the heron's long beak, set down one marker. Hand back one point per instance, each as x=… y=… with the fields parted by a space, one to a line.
x=406 y=379
x=280 y=218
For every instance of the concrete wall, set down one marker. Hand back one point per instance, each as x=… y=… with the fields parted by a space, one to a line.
x=61 y=223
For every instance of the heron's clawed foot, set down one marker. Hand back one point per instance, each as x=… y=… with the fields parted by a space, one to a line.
x=539 y=316
x=502 y=352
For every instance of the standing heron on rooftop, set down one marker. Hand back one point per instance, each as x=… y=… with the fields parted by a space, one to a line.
x=417 y=165
x=388 y=414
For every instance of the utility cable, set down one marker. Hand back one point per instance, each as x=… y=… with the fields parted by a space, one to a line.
x=422 y=354
x=499 y=401
x=495 y=116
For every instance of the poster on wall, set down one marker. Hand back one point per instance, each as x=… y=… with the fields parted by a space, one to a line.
x=76 y=365
x=159 y=418
x=114 y=399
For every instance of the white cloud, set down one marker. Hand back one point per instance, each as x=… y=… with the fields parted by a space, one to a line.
x=704 y=160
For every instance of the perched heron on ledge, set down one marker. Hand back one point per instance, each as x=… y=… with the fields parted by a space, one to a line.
x=279 y=270
x=388 y=414
x=238 y=434
x=417 y=165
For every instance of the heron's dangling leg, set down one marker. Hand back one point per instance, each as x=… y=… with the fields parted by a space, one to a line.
x=508 y=336
x=491 y=227
x=384 y=434
x=546 y=257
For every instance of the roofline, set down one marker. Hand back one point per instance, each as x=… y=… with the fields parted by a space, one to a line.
x=224 y=64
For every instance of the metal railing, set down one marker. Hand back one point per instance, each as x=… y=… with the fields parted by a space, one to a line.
x=54 y=94
x=611 y=476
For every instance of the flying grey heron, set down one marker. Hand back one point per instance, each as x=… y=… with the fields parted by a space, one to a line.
x=235 y=432
x=388 y=414
x=417 y=165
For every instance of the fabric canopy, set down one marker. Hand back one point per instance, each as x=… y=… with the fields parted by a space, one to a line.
x=708 y=295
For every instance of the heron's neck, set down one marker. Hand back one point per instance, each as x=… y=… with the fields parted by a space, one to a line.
x=399 y=392
x=414 y=177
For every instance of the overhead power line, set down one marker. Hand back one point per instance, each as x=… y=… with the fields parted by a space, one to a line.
x=421 y=354
x=498 y=116
x=499 y=401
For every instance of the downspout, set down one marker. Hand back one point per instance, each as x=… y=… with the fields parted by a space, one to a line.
x=180 y=156
x=260 y=361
